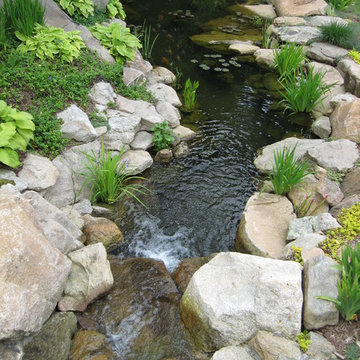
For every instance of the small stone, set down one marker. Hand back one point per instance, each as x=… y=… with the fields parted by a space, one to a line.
x=181 y=149
x=320 y=348
x=137 y=161
x=102 y=93
x=330 y=190
x=163 y=156
x=351 y=184
x=244 y=48
x=142 y=141
x=133 y=77
x=346 y=203
x=83 y=207
x=321 y=127
x=184 y=133
x=341 y=99
x=232 y=353
x=324 y=222
x=301 y=226
x=163 y=92
x=169 y=112
x=20 y=184
x=163 y=75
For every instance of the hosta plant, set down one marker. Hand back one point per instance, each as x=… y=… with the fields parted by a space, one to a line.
x=115 y=9
x=81 y=7
x=16 y=130
x=52 y=42
x=118 y=39
x=164 y=136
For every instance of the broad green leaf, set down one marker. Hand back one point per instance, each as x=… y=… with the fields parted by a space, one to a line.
x=9 y=157
x=17 y=142
x=26 y=134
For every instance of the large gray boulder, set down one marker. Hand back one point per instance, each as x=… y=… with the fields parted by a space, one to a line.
x=235 y=295
x=162 y=92
x=319 y=313
x=169 y=112
x=137 y=161
x=299 y=34
x=33 y=272
x=264 y=225
x=350 y=70
x=325 y=52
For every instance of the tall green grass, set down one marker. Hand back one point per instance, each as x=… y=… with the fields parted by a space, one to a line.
x=338 y=34
x=147 y=41
x=340 y=4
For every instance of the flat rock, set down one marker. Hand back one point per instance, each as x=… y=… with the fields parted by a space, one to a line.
x=351 y=184
x=346 y=203
x=59 y=230
x=321 y=20
x=299 y=34
x=319 y=313
x=102 y=93
x=126 y=105
x=233 y=296
x=264 y=224
x=33 y=271
x=162 y=92
x=20 y=184
x=320 y=348
x=163 y=75
x=265 y=58
x=169 y=112
x=345 y=121
x=148 y=114
x=330 y=190
x=137 y=160
x=342 y=98
x=184 y=133
x=321 y=127
x=325 y=52
x=244 y=48
x=133 y=76
x=335 y=155
x=350 y=70
x=232 y=353
x=90 y=278
x=289 y=21
x=300 y=7
x=305 y=242
x=76 y=125
x=142 y=141
x=38 y=172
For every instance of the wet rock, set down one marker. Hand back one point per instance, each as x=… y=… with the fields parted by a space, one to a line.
x=38 y=172
x=299 y=34
x=235 y=295
x=33 y=271
x=20 y=184
x=184 y=133
x=232 y=353
x=142 y=141
x=244 y=48
x=350 y=70
x=351 y=184
x=321 y=127
x=331 y=190
x=62 y=193
x=59 y=230
x=265 y=58
x=54 y=339
x=335 y=155
x=137 y=161
x=264 y=224
x=76 y=125
x=163 y=75
x=271 y=347
x=162 y=92
x=169 y=112
x=320 y=348
x=345 y=121
x=319 y=313
x=342 y=98
x=102 y=93
x=300 y=7
x=325 y=52
x=346 y=203
x=133 y=77
x=181 y=149
x=142 y=314
x=102 y=230
x=164 y=156
x=90 y=278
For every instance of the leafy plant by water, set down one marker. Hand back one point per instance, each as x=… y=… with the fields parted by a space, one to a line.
x=84 y=8
x=190 y=95
x=288 y=60
x=340 y=4
x=147 y=41
x=164 y=135
x=115 y=9
x=109 y=178
x=305 y=91
x=337 y=33
x=287 y=171
x=22 y=15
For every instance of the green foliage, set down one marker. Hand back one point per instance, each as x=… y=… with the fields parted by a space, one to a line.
x=337 y=34
x=16 y=130
x=256 y=21
x=297 y=254
x=287 y=171
x=304 y=92
x=303 y=339
x=355 y=55
x=99 y=16
x=337 y=176
x=190 y=94
x=109 y=178
x=22 y=15
x=350 y=229
x=288 y=60
x=52 y=42
x=303 y=208
x=146 y=41
x=266 y=35
x=177 y=84
x=80 y=7
x=352 y=352
x=348 y=300
x=2 y=29
x=115 y=8
x=118 y=39
x=164 y=136
x=340 y=4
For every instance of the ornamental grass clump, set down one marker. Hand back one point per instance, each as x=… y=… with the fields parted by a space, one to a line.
x=337 y=33
x=287 y=171
x=340 y=4
x=109 y=178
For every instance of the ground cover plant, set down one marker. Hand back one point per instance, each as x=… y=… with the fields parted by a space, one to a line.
x=164 y=135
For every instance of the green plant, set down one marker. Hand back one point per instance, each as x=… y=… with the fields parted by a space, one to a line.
x=16 y=130
x=288 y=60
x=164 y=136
x=337 y=176
x=2 y=29
x=81 y=7
x=118 y=39
x=99 y=16
x=147 y=43
x=257 y=21
x=22 y=15
x=348 y=300
x=355 y=55
x=304 y=341
x=190 y=94
x=352 y=352
x=115 y=8
x=52 y=42
x=340 y=4
x=304 y=92
x=303 y=208
x=177 y=84
x=337 y=33
x=287 y=171
x=266 y=35
x=297 y=254
x=109 y=178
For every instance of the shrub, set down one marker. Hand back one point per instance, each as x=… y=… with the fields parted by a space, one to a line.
x=288 y=59
x=164 y=136
x=16 y=130
x=115 y=8
x=118 y=39
x=52 y=42
x=109 y=179
x=22 y=15
x=348 y=300
x=340 y=4
x=304 y=92
x=190 y=94
x=287 y=171
x=337 y=34
x=80 y=7
x=355 y=55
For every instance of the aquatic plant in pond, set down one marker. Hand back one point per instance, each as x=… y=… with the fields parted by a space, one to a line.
x=147 y=41
x=164 y=135
x=190 y=94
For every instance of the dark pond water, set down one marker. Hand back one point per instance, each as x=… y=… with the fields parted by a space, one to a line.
x=198 y=200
